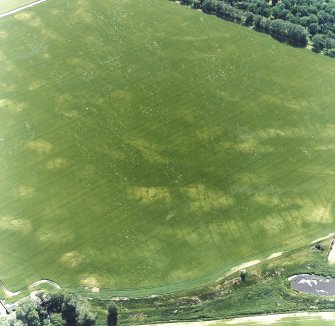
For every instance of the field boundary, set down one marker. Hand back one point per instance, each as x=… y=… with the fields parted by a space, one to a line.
x=14 y=11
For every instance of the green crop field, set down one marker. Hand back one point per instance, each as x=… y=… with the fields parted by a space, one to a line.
x=148 y=148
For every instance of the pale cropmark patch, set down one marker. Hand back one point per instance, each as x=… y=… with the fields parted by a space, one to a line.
x=46 y=56
x=150 y=194
x=3 y=56
x=8 y=86
x=90 y=282
x=272 y=223
x=150 y=151
x=206 y=199
x=36 y=85
x=29 y=19
x=206 y=134
x=249 y=145
x=270 y=133
x=69 y=114
x=3 y=34
x=268 y=200
x=56 y=163
x=312 y=214
x=83 y=13
x=9 y=223
x=71 y=259
x=11 y=106
x=39 y=145
x=321 y=214
x=64 y=101
x=24 y=191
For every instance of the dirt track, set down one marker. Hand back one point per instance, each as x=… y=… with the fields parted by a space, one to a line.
x=14 y=11
x=13 y=294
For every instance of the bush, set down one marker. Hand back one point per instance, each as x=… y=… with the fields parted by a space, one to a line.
x=318 y=42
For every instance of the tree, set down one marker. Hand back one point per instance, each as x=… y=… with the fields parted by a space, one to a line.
x=330 y=46
x=319 y=246
x=318 y=42
x=196 y=4
x=84 y=317
x=313 y=28
x=279 y=11
x=265 y=24
x=257 y=21
x=26 y=312
x=69 y=307
x=112 y=314
x=248 y=19
x=209 y=6
x=53 y=301
x=76 y=311
x=297 y=35
x=186 y=2
x=243 y=275
x=278 y=29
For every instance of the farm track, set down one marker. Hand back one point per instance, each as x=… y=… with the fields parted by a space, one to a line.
x=14 y=11
x=13 y=294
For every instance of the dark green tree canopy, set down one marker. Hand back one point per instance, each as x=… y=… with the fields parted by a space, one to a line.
x=54 y=309
x=292 y=21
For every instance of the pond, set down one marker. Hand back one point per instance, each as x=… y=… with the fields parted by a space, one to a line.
x=313 y=284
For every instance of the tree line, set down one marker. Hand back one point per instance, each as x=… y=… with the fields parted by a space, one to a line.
x=297 y=22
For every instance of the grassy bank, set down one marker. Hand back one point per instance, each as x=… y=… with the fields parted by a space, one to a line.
x=265 y=291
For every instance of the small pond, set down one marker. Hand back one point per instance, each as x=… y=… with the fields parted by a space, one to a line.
x=313 y=284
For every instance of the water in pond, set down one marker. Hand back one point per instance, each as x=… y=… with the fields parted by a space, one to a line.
x=313 y=284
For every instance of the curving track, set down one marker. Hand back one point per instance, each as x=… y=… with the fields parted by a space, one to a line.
x=13 y=294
